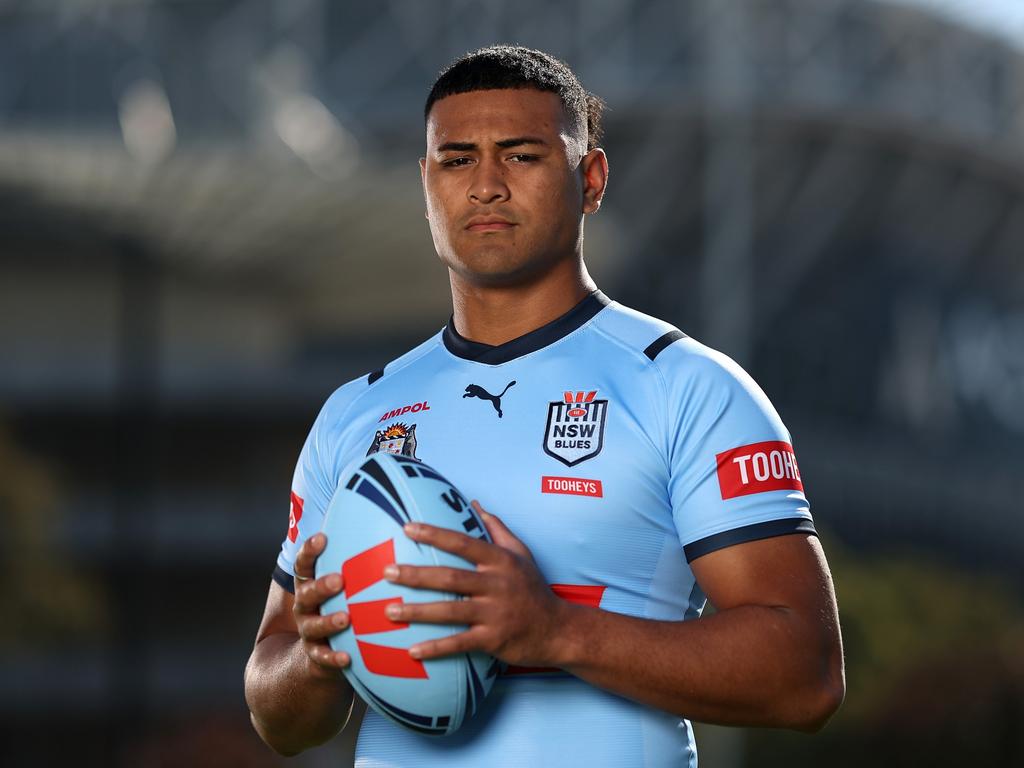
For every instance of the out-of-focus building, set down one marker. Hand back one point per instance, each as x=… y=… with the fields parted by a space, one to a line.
x=210 y=217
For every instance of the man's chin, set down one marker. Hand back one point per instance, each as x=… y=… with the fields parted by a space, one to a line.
x=495 y=270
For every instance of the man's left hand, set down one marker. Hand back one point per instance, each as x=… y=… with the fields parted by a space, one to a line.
x=510 y=610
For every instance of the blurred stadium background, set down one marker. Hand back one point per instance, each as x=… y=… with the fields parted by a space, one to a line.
x=210 y=217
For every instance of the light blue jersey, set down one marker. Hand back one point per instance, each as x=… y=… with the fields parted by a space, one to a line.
x=619 y=451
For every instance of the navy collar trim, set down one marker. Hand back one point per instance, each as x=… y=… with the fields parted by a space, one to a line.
x=530 y=342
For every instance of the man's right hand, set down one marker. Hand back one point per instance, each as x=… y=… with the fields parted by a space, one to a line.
x=310 y=594
x=293 y=682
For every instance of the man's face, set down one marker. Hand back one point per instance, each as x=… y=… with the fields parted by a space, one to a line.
x=504 y=191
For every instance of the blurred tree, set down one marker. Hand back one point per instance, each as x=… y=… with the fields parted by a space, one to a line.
x=935 y=673
x=43 y=597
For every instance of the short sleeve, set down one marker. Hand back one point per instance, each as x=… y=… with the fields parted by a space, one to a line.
x=311 y=491
x=733 y=471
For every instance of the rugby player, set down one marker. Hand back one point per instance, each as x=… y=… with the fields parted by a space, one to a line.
x=631 y=474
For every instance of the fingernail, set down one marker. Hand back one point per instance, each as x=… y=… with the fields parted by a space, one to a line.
x=411 y=529
x=333 y=581
x=390 y=572
x=318 y=539
x=415 y=651
x=339 y=620
x=393 y=611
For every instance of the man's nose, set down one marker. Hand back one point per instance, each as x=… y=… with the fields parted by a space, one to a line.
x=488 y=183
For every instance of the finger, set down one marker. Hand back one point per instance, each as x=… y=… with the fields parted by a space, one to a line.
x=463 y=642
x=323 y=655
x=500 y=534
x=313 y=627
x=310 y=595
x=447 y=612
x=467 y=547
x=461 y=581
x=305 y=560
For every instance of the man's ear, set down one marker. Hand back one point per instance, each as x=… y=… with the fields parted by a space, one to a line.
x=423 y=185
x=594 y=167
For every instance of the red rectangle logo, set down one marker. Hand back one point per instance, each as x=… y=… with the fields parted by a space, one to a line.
x=571 y=486
x=580 y=594
x=758 y=467
x=367 y=568
x=392 y=662
x=369 y=617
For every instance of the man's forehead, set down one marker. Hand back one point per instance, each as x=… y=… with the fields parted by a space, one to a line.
x=493 y=115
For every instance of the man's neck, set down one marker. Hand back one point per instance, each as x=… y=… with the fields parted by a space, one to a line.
x=495 y=315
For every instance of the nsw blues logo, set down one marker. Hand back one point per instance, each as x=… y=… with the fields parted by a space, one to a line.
x=575 y=428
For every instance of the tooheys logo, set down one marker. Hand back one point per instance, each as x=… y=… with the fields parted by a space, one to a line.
x=294 y=515
x=758 y=467
x=572 y=486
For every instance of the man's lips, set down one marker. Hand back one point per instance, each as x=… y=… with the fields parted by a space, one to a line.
x=488 y=224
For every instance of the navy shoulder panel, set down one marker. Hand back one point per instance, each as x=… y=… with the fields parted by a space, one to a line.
x=656 y=347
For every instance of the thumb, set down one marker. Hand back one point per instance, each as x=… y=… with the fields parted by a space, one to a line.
x=499 y=532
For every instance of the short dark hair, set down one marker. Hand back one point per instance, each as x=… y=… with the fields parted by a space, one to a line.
x=513 y=66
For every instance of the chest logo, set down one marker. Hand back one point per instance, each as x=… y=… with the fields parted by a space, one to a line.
x=575 y=428
x=475 y=390
x=399 y=439
x=413 y=408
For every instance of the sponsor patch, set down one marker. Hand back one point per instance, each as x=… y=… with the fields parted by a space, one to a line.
x=571 y=486
x=414 y=408
x=475 y=390
x=758 y=467
x=575 y=427
x=294 y=515
x=398 y=439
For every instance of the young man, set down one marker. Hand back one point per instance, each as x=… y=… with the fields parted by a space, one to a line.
x=633 y=468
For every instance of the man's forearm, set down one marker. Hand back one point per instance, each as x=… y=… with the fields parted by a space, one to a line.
x=295 y=703
x=750 y=665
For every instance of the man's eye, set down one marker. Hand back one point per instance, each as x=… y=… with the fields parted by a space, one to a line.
x=520 y=158
x=455 y=162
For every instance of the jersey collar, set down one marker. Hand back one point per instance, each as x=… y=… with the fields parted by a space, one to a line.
x=530 y=342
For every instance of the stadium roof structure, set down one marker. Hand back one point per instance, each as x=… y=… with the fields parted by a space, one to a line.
x=830 y=190
x=237 y=131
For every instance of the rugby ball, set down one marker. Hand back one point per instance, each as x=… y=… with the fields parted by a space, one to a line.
x=376 y=497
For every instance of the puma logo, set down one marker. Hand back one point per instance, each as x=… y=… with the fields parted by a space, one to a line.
x=475 y=390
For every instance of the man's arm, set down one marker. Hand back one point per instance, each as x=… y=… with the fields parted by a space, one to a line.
x=297 y=695
x=770 y=656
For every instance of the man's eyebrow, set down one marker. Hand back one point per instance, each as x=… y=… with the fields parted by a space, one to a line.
x=519 y=141
x=469 y=146
x=456 y=146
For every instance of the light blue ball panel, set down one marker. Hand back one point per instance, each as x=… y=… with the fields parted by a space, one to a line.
x=363 y=524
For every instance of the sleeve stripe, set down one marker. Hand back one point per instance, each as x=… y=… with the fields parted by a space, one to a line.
x=754 y=532
x=285 y=579
x=661 y=342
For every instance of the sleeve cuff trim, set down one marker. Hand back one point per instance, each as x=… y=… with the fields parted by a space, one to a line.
x=766 y=530
x=285 y=579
